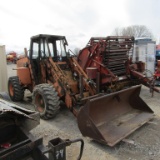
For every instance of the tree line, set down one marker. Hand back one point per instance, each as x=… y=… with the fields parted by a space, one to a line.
x=134 y=30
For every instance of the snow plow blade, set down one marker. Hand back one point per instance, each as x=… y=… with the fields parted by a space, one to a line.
x=110 y=118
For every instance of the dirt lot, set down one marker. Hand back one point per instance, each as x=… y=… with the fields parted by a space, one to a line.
x=145 y=141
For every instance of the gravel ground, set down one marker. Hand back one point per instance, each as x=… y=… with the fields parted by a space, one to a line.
x=144 y=142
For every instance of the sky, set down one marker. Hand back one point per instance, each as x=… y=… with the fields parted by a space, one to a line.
x=78 y=20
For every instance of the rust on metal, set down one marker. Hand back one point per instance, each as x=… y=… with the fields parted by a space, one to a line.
x=110 y=118
x=24 y=75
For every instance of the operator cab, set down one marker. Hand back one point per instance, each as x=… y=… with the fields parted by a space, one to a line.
x=44 y=46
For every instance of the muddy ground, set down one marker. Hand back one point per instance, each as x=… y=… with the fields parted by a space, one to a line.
x=144 y=143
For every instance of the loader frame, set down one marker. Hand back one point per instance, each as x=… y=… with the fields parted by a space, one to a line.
x=54 y=75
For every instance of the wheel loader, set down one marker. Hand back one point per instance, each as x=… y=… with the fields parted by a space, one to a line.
x=100 y=87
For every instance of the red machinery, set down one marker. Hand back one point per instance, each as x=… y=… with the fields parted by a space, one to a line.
x=108 y=61
x=12 y=57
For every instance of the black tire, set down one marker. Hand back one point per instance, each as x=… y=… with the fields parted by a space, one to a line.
x=46 y=101
x=15 y=90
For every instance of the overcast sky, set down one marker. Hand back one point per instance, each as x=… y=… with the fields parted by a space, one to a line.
x=78 y=20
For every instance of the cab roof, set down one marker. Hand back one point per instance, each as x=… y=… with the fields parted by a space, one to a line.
x=47 y=36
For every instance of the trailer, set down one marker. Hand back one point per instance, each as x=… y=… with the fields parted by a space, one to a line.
x=17 y=143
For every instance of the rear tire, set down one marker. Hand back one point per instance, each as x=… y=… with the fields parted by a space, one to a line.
x=46 y=101
x=15 y=90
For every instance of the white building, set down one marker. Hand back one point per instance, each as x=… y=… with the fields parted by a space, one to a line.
x=144 y=50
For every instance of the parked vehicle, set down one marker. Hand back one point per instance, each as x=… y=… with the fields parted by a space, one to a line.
x=12 y=57
x=100 y=87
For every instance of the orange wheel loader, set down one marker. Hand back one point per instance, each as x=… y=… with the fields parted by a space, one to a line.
x=100 y=87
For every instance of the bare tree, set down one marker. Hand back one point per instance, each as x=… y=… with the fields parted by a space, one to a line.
x=117 y=32
x=135 y=30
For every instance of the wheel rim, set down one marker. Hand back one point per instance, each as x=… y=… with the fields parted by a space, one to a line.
x=39 y=102
x=11 y=90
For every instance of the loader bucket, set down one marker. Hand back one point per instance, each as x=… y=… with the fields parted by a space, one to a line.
x=110 y=118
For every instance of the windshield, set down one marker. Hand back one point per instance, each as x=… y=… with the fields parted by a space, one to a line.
x=35 y=50
x=49 y=47
x=57 y=48
x=60 y=48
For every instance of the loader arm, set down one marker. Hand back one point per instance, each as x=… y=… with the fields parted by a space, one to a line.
x=61 y=83
x=76 y=67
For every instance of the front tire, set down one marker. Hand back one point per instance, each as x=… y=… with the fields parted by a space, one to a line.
x=15 y=90
x=46 y=101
